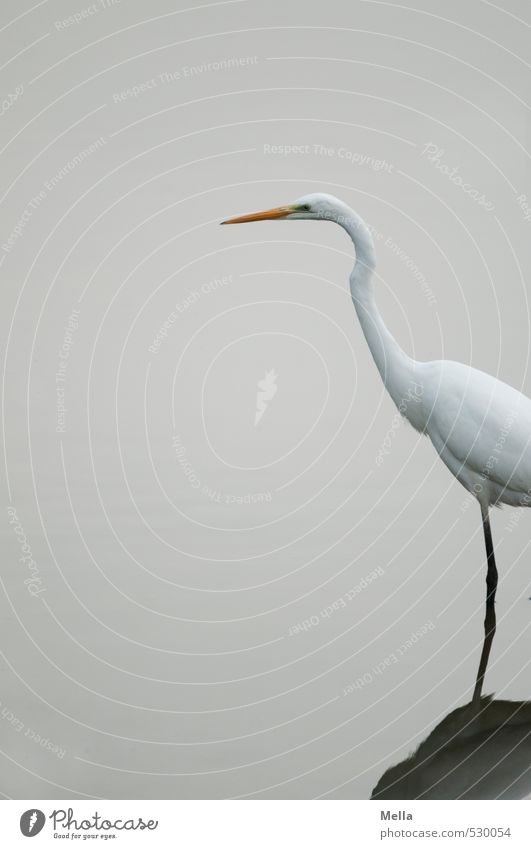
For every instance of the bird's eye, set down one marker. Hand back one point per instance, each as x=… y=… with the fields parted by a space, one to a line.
x=305 y=207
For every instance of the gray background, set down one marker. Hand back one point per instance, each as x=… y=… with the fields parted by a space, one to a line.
x=156 y=656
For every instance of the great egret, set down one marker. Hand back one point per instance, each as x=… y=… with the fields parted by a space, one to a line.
x=480 y=426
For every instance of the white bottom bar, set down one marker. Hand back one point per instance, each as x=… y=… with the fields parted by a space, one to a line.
x=266 y=824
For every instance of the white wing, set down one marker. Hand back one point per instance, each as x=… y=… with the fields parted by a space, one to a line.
x=480 y=426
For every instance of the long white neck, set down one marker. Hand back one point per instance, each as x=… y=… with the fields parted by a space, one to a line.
x=398 y=371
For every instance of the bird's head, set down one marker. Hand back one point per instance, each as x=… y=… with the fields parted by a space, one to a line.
x=321 y=207
x=317 y=207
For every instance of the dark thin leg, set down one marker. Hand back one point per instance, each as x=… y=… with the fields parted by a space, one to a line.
x=492 y=572
x=490 y=613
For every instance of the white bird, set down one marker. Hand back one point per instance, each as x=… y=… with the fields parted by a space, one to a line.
x=479 y=426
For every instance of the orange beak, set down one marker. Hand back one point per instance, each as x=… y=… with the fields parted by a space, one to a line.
x=267 y=214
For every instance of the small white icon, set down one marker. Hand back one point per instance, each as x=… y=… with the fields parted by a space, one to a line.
x=267 y=389
x=33 y=820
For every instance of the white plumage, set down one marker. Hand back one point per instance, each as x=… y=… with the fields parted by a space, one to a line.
x=481 y=429
x=479 y=426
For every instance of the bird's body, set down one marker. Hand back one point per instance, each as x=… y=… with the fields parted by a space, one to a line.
x=479 y=426
x=481 y=429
